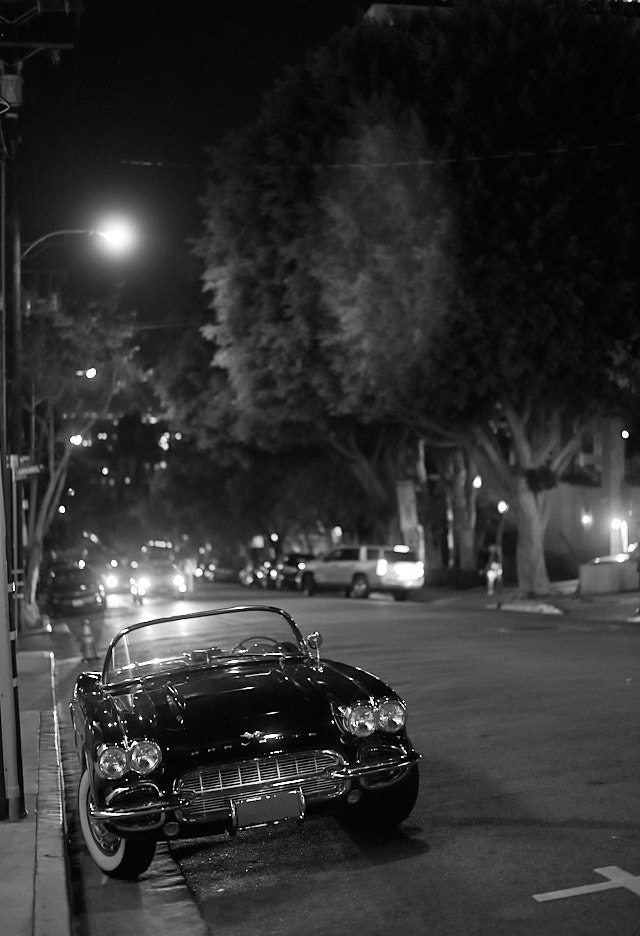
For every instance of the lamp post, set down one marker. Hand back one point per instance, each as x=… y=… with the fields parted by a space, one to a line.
x=118 y=236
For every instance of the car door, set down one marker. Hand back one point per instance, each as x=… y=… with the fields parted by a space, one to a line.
x=338 y=568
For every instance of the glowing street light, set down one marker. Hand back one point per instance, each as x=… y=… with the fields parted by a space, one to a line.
x=119 y=235
x=116 y=233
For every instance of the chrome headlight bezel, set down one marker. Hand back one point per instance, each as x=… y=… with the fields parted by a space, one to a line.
x=362 y=719
x=114 y=761
x=145 y=757
x=392 y=715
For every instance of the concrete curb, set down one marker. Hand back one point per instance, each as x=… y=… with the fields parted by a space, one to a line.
x=51 y=913
x=531 y=607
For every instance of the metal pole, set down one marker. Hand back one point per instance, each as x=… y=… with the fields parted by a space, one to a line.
x=18 y=434
x=11 y=759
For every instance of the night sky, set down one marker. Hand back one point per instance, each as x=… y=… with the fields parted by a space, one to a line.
x=152 y=82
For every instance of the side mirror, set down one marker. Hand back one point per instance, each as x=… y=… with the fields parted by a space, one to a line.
x=315 y=642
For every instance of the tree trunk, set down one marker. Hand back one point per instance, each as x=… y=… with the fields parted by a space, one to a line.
x=39 y=524
x=533 y=579
x=462 y=499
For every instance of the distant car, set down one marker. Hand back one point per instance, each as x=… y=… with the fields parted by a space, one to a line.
x=359 y=570
x=154 y=578
x=74 y=589
x=115 y=576
x=288 y=569
x=205 y=572
x=217 y=721
x=262 y=574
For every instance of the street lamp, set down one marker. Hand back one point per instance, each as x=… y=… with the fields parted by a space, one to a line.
x=118 y=236
x=116 y=233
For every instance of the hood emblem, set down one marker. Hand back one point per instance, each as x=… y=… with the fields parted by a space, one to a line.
x=248 y=736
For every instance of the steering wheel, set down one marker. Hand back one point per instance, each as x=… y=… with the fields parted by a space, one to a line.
x=259 y=639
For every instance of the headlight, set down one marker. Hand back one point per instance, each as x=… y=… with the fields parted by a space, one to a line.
x=143 y=582
x=112 y=581
x=144 y=756
x=112 y=762
x=360 y=720
x=178 y=580
x=392 y=716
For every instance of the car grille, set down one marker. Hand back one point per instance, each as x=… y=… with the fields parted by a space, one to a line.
x=212 y=788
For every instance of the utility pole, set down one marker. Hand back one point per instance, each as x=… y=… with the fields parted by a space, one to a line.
x=16 y=46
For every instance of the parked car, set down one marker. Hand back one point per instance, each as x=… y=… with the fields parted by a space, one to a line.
x=74 y=589
x=156 y=577
x=262 y=574
x=359 y=570
x=212 y=722
x=289 y=568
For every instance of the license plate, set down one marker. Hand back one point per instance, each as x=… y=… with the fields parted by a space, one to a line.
x=266 y=808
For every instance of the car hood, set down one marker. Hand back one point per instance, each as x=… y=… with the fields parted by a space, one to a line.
x=266 y=701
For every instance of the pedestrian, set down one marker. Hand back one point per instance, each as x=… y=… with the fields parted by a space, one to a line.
x=493 y=569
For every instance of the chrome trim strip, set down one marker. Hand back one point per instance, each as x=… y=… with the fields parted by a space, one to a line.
x=110 y=813
x=360 y=770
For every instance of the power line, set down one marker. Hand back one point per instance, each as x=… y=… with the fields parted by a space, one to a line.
x=449 y=160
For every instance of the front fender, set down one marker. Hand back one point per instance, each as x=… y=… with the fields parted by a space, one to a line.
x=94 y=715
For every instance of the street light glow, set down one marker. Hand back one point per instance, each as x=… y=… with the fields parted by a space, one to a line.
x=118 y=234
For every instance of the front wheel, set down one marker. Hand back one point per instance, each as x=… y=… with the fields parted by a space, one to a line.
x=387 y=807
x=308 y=585
x=359 y=587
x=116 y=857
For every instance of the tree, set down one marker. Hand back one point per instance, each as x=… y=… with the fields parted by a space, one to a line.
x=483 y=282
x=63 y=341
x=267 y=338
x=433 y=232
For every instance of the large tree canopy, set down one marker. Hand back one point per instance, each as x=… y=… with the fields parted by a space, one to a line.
x=436 y=228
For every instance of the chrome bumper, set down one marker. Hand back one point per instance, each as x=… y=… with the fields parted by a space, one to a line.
x=363 y=770
x=175 y=803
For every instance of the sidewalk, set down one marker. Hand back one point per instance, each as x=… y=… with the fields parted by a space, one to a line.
x=33 y=872
x=34 y=890
x=563 y=600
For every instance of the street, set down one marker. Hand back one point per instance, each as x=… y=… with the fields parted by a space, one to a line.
x=527 y=725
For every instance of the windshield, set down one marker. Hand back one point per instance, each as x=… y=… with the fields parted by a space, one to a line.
x=213 y=638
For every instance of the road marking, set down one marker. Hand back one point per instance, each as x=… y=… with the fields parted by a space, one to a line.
x=617 y=878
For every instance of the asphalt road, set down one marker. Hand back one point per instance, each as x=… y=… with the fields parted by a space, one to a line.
x=528 y=726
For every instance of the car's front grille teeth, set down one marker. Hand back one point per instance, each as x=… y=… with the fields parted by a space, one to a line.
x=213 y=787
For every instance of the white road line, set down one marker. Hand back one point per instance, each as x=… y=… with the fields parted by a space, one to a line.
x=617 y=878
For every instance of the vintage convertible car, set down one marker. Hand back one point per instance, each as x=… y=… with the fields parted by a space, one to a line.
x=215 y=721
